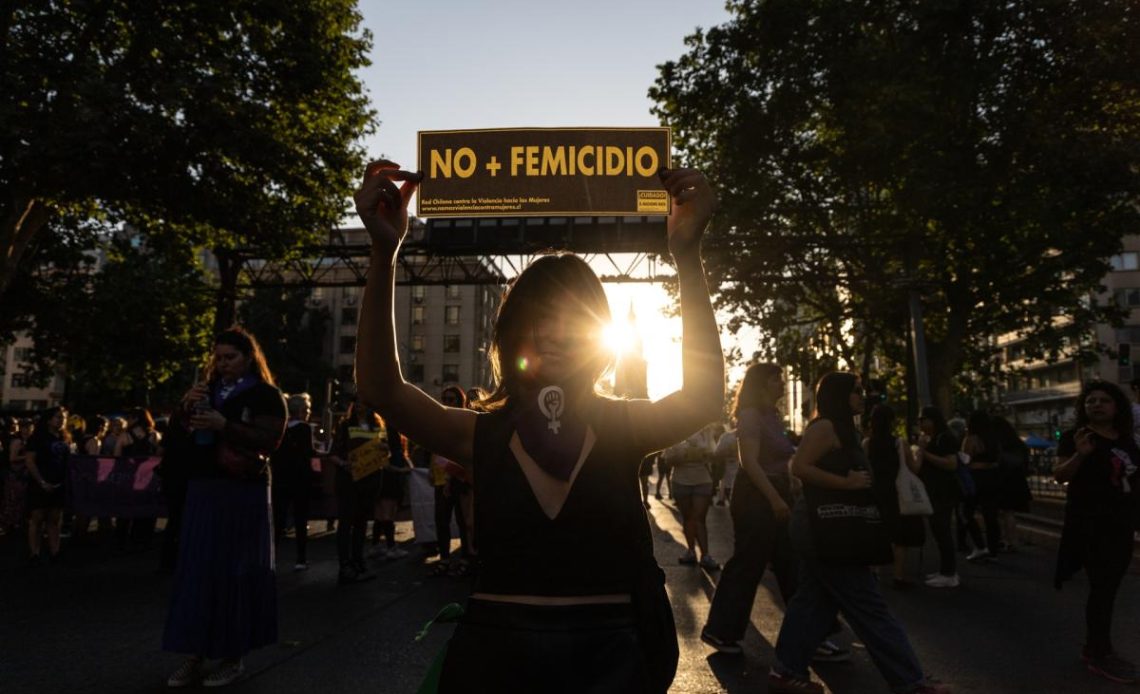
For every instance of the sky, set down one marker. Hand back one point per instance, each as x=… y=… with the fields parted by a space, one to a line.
x=459 y=64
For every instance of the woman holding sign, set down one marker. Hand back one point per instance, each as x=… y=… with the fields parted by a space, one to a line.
x=360 y=451
x=569 y=597
x=224 y=600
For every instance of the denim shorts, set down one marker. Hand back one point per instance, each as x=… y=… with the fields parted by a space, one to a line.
x=684 y=490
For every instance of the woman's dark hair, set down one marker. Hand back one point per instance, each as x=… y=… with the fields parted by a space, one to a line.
x=244 y=342
x=934 y=415
x=1122 y=422
x=748 y=393
x=534 y=293
x=95 y=425
x=142 y=417
x=833 y=403
x=351 y=416
x=457 y=393
x=882 y=422
x=978 y=424
x=45 y=418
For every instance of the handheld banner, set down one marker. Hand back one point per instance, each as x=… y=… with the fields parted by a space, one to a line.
x=548 y=172
x=122 y=487
x=368 y=458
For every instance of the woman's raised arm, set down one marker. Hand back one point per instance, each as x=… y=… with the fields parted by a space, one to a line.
x=701 y=397
x=383 y=208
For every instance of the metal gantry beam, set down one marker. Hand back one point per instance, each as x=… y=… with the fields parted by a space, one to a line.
x=470 y=251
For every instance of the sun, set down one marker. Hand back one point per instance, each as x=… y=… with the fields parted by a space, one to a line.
x=619 y=338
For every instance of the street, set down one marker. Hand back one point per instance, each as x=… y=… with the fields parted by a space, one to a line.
x=94 y=624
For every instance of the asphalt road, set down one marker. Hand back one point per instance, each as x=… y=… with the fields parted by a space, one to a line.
x=94 y=624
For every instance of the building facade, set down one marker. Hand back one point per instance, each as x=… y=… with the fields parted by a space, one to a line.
x=1039 y=396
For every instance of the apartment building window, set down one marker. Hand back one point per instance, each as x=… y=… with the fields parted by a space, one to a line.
x=416 y=373
x=348 y=316
x=417 y=315
x=1127 y=297
x=451 y=373
x=451 y=315
x=453 y=291
x=1122 y=262
x=450 y=343
x=417 y=343
x=347 y=344
x=22 y=355
x=22 y=380
x=419 y=291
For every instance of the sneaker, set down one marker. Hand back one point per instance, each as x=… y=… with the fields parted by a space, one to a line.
x=228 y=673
x=301 y=566
x=1114 y=668
x=978 y=555
x=727 y=647
x=789 y=684
x=187 y=674
x=362 y=571
x=397 y=553
x=941 y=581
x=377 y=552
x=709 y=564
x=657 y=496
x=831 y=652
x=687 y=558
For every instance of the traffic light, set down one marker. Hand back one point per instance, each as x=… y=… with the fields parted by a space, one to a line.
x=1124 y=355
x=1056 y=434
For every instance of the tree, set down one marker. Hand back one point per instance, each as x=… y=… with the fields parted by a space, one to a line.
x=292 y=335
x=125 y=324
x=982 y=154
x=221 y=123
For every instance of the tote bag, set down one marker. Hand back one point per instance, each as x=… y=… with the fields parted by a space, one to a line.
x=913 y=499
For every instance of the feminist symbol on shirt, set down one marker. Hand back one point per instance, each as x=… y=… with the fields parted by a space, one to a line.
x=551 y=401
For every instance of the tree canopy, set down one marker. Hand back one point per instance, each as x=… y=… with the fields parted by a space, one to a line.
x=226 y=123
x=983 y=154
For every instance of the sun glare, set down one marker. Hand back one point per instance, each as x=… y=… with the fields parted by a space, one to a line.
x=619 y=338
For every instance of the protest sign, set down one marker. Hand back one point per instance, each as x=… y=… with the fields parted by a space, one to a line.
x=527 y=172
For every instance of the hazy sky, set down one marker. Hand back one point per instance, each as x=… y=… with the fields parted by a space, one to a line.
x=454 y=64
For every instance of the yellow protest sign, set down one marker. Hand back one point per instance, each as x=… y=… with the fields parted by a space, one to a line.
x=524 y=172
x=369 y=457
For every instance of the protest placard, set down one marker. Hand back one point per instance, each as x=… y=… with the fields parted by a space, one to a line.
x=528 y=172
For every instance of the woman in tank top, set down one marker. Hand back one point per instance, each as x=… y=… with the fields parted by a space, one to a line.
x=568 y=596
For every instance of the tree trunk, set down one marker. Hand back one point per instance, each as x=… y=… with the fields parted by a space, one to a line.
x=27 y=216
x=225 y=308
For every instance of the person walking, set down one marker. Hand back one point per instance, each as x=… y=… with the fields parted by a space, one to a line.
x=692 y=490
x=568 y=597
x=760 y=505
x=224 y=599
x=1099 y=461
x=835 y=472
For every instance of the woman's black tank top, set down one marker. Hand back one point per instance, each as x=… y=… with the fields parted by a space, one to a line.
x=597 y=542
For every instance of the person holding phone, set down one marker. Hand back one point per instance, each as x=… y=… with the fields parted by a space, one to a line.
x=224 y=600
x=1099 y=460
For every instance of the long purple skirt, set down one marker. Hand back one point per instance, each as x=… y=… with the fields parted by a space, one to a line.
x=224 y=601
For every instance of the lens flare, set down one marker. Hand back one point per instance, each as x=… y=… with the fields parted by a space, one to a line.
x=522 y=363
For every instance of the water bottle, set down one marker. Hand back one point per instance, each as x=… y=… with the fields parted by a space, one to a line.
x=203 y=437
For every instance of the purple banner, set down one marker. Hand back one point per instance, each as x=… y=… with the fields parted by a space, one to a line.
x=120 y=487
